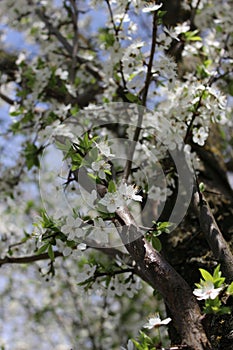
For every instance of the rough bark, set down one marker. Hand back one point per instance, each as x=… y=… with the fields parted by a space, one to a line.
x=154 y=269
x=213 y=235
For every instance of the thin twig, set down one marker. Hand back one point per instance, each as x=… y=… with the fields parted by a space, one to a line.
x=193 y=13
x=54 y=31
x=27 y=259
x=116 y=30
x=111 y=252
x=6 y=99
x=210 y=82
x=151 y=59
x=129 y=161
x=67 y=46
x=113 y=273
x=75 y=14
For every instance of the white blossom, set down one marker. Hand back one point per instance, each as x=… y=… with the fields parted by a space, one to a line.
x=182 y=28
x=121 y=17
x=156 y=321
x=200 y=135
x=90 y=198
x=88 y=272
x=115 y=56
x=62 y=111
x=67 y=251
x=152 y=8
x=104 y=149
x=63 y=74
x=207 y=291
x=112 y=201
x=21 y=58
x=100 y=167
x=129 y=192
x=71 y=89
x=115 y=53
x=72 y=227
x=82 y=246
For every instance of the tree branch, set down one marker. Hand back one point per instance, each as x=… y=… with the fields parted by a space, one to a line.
x=6 y=99
x=213 y=235
x=154 y=269
x=129 y=161
x=74 y=16
x=111 y=252
x=150 y=64
x=27 y=259
x=67 y=46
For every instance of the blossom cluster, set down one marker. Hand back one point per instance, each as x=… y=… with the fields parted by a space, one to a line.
x=61 y=87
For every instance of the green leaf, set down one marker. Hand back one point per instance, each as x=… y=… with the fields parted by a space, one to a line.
x=27 y=236
x=15 y=127
x=151 y=234
x=86 y=140
x=65 y=147
x=230 y=289
x=160 y=15
x=28 y=117
x=51 y=252
x=198 y=285
x=111 y=186
x=93 y=155
x=108 y=172
x=43 y=248
x=217 y=279
x=71 y=244
x=217 y=272
x=156 y=244
x=46 y=221
x=132 y=98
x=219 y=282
x=162 y=227
x=92 y=176
x=224 y=310
x=206 y=275
x=192 y=36
x=230 y=87
x=31 y=152
x=76 y=161
x=74 y=110
x=201 y=187
x=207 y=63
x=106 y=37
x=195 y=38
